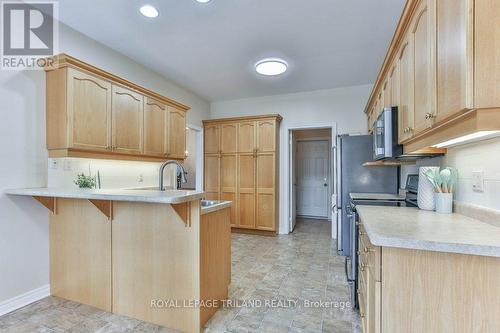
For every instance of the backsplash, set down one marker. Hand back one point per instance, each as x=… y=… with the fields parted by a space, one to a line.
x=114 y=174
x=483 y=156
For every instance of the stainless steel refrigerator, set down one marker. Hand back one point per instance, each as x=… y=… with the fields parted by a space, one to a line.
x=353 y=177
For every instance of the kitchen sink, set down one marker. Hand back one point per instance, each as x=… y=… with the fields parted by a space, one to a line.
x=208 y=203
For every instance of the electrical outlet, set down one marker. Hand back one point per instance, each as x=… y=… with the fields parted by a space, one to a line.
x=478 y=181
x=140 y=179
x=67 y=165
x=53 y=164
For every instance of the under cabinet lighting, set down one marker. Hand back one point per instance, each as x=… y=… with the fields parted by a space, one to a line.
x=476 y=136
x=149 y=11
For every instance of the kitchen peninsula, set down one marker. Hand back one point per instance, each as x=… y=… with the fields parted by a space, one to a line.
x=122 y=250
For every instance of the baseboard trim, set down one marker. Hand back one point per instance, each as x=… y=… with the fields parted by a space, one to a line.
x=17 y=302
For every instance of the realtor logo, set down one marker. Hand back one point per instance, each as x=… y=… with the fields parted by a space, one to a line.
x=29 y=34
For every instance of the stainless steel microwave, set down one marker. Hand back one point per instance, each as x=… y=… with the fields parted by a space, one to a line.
x=385 y=135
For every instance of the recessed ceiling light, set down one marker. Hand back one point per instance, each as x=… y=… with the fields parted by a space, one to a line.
x=149 y=11
x=271 y=67
x=203 y=1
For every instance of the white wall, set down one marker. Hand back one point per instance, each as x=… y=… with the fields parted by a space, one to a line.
x=342 y=105
x=23 y=222
x=480 y=156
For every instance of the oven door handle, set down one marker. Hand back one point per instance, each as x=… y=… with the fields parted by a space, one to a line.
x=347 y=259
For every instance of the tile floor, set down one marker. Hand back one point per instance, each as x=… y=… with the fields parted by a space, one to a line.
x=300 y=267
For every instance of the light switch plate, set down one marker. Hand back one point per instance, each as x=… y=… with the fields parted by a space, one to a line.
x=53 y=164
x=67 y=165
x=478 y=181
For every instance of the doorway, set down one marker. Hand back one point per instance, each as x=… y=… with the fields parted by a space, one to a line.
x=193 y=163
x=311 y=171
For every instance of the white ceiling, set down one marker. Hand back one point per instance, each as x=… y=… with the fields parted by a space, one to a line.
x=211 y=48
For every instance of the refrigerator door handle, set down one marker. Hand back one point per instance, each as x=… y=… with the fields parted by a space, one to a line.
x=347 y=264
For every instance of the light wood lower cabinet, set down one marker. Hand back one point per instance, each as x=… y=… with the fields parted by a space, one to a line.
x=404 y=290
x=266 y=188
x=143 y=256
x=92 y=113
x=212 y=176
x=244 y=169
x=246 y=191
x=229 y=182
x=80 y=254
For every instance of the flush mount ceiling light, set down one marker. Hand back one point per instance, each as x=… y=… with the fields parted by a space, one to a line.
x=271 y=66
x=203 y=1
x=149 y=11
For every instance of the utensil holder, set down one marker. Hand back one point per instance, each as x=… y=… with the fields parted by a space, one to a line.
x=444 y=203
x=425 y=197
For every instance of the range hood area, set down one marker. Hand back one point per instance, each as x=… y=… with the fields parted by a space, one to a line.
x=467 y=127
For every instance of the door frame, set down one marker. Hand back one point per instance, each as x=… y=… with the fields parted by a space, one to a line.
x=330 y=189
x=199 y=155
x=286 y=188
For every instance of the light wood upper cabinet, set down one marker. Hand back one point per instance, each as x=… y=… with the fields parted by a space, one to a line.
x=229 y=138
x=386 y=91
x=126 y=120
x=266 y=136
x=448 y=53
x=177 y=133
x=246 y=137
x=155 y=127
x=486 y=43
x=454 y=78
x=405 y=106
x=422 y=38
x=212 y=139
x=89 y=111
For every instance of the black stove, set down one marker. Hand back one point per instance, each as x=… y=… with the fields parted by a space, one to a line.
x=351 y=261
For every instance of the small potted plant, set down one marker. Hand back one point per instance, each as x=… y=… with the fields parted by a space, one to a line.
x=444 y=182
x=84 y=181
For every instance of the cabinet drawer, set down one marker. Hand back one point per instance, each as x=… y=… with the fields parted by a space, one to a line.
x=369 y=255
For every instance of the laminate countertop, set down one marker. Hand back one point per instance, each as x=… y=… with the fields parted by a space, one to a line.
x=221 y=204
x=132 y=195
x=376 y=196
x=411 y=228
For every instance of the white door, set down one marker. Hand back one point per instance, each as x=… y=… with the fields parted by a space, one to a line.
x=313 y=178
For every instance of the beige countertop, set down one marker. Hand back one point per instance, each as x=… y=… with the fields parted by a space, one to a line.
x=213 y=208
x=132 y=195
x=376 y=196
x=411 y=228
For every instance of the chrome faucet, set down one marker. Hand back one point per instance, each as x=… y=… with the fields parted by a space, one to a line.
x=162 y=168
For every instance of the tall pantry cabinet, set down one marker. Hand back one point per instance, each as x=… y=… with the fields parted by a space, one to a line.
x=241 y=157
